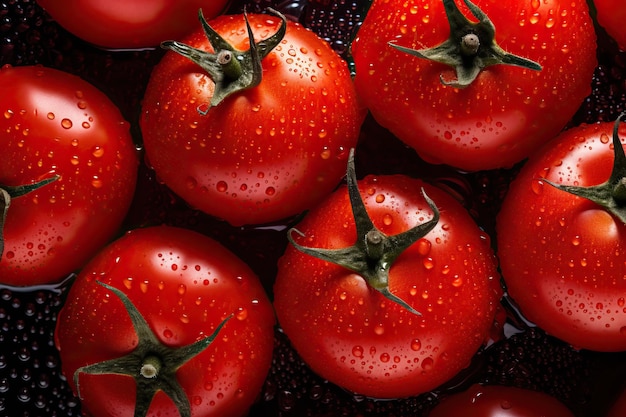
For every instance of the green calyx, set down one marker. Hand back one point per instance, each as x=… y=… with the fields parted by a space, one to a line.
x=373 y=253
x=470 y=48
x=152 y=364
x=611 y=195
x=230 y=69
x=7 y=193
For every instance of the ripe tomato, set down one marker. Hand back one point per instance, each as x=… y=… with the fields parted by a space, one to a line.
x=129 y=24
x=264 y=153
x=561 y=254
x=182 y=287
x=500 y=401
x=344 y=323
x=507 y=111
x=611 y=15
x=55 y=123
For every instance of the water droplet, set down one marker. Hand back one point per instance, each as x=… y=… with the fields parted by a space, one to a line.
x=537 y=186
x=8 y=114
x=427 y=364
x=182 y=289
x=357 y=351
x=424 y=246
x=96 y=182
x=379 y=330
x=82 y=105
x=221 y=186
x=191 y=183
x=74 y=160
x=416 y=345
x=506 y=405
x=168 y=334
x=66 y=124
x=242 y=314
x=384 y=357
x=380 y=198
x=97 y=151
x=270 y=191
x=621 y=302
x=428 y=263
x=50 y=116
x=576 y=240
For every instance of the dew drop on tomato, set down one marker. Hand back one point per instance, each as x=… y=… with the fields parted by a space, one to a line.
x=66 y=124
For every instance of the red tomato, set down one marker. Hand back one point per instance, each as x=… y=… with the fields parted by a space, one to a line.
x=611 y=15
x=264 y=153
x=562 y=256
x=507 y=111
x=184 y=285
x=355 y=336
x=500 y=401
x=55 y=123
x=126 y=24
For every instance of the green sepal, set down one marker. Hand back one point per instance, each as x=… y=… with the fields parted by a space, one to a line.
x=149 y=350
x=373 y=253
x=611 y=195
x=470 y=48
x=7 y=193
x=230 y=69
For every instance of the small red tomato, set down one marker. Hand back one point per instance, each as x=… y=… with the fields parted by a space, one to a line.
x=561 y=253
x=244 y=153
x=130 y=24
x=166 y=321
x=404 y=308
x=500 y=401
x=55 y=125
x=482 y=90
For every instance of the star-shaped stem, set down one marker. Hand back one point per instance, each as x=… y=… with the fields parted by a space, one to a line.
x=611 y=194
x=373 y=253
x=7 y=193
x=470 y=48
x=230 y=69
x=152 y=364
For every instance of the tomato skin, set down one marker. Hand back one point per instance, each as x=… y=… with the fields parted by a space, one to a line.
x=500 y=401
x=184 y=284
x=56 y=123
x=508 y=111
x=611 y=16
x=266 y=153
x=561 y=255
x=130 y=24
x=354 y=336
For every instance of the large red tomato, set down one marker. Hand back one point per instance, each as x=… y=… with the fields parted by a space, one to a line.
x=562 y=255
x=500 y=401
x=125 y=24
x=181 y=326
x=507 y=110
x=56 y=124
x=263 y=153
x=404 y=312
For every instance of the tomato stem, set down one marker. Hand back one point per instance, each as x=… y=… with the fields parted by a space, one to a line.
x=611 y=195
x=230 y=69
x=7 y=193
x=373 y=253
x=470 y=48
x=157 y=362
x=151 y=367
